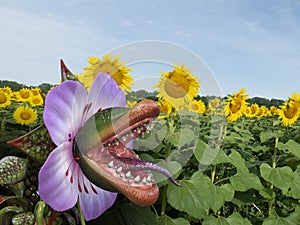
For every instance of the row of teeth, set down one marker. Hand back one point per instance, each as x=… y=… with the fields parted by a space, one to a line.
x=130 y=179
x=145 y=128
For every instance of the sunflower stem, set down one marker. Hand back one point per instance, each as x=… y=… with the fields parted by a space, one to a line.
x=164 y=201
x=274 y=161
x=213 y=173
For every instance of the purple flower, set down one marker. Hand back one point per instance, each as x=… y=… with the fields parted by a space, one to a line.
x=67 y=108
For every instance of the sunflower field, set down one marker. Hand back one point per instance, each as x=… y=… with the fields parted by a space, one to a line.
x=237 y=161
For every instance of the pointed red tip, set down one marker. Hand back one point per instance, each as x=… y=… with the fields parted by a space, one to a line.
x=17 y=143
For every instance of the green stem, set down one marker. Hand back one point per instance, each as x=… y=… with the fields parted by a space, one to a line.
x=213 y=173
x=39 y=212
x=82 y=220
x=164 y=201
x=274 y=162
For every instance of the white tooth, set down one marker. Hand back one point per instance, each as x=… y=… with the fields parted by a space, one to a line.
x=139 y=130
x=111 y=164
x=128 y=174
x=144 y=180
x=109 y=144
x=129 y=181
x=131 y=134
x=137 y=179
x=119 y=170
x=123 y=138
x=149 y=179
x=122 y=175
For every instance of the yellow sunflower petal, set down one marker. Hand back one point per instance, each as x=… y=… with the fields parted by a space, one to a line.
x=236 y=105
x=113 y=67
x=5 y=99
x=24 y=94
x=25 y=115
x=178 y=86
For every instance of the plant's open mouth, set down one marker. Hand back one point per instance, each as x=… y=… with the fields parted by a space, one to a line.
x=102 y=149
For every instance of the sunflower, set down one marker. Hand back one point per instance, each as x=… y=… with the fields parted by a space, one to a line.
x=262 y=111
x=289 y=112
x=36 y=91
x=252 y=110
x=197 y=106
x=5 y=99
x=165 y=108
x=6 y=90
x=108 y=65
x=23 y=95
x=273 y=110
x=36 y=100
x=236 y=105
x=25 y=115
x=178 y=86
x=130 y=103
x=214 y=103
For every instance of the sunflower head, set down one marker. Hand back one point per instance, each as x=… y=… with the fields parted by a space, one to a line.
x=25 y=115
x=6 y=90
x=252 y=110
x=178 y=86
x=36 y=100
x=5 y=99
x=236 y=105
x=24 y=95
x=289 y=112
x=197 y=106
x=130 y=103
x=273 y=110
x=262 y=111
x=109 y=65
x=165 y=108
x=35 y=91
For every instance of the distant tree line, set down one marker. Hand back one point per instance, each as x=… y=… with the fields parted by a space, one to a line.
x=15 y=86
x=135 y=95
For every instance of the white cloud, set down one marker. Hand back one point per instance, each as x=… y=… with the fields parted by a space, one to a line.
x=32 y=45
x=126 y=23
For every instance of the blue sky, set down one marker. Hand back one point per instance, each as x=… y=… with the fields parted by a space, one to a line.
x=253 y=44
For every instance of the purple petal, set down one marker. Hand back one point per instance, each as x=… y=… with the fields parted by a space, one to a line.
x=63 y=110
x=96 y=201
x=55 y=187
x=105 y=93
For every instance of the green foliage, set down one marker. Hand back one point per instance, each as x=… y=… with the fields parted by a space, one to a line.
x=246 y=172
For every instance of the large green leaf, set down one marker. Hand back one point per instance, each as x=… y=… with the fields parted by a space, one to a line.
x=218 y=196
x=172 y=166
x=292 y=146
x=295 y=186
x=211 y=220
x=245 y=181
x=12 y=169
x=266 y=135
x=181 y=137
x=280 y=177
x=165 y=220
x=236 y=218
x=207 y=155
x=127 y=214
x=237 y=160
x=276 y=220
x=193 y=197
